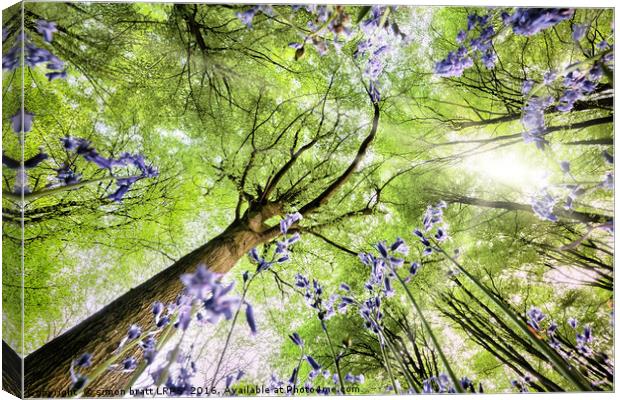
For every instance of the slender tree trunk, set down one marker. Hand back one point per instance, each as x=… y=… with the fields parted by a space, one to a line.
x=512 y=206
x=47 y=369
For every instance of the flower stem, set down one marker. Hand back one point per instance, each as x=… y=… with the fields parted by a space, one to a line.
x=429 y=332
x=336 y=362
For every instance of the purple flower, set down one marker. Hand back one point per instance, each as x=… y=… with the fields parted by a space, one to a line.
x=489 y=59
x=129 y=364
x=602 y=45
x=67 y=176
x=249 y=315
x=56 y=75
x=247 y=16
x=472 y=19
x=572 y=322
x=527 y=86
x=315 y=366
x=529 y=21
x=453 y=65
x=565 y=166
x=22 y=121
x=84 y=361
x=549 y=77
x=535 y=316
x=46 y=29
x=579 y=31
x=375 y=96
x=120 y=192
x=185 y=317
x=596 y=72
x=296 y=339
x=345 y=287
x=35 y=160
x=460 y=37
x=200 y=283
x=543 y=204
x=134 y=332
x=158 y=308
x=413 y=269
x=288 y=221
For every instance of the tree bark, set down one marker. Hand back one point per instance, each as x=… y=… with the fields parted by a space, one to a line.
x=11 y=371
x=47 y=369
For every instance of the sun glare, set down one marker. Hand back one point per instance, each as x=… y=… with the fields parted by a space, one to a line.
x=508 y=168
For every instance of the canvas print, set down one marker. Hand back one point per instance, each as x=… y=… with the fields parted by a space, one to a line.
x=303 y=200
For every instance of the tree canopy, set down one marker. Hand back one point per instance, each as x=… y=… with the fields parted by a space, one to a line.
x=164 y=152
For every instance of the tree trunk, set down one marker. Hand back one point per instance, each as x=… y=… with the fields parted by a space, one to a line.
x=512 y=206
x=11 y=371
x=47 y=369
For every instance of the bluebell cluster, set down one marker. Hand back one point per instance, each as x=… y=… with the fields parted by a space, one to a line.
x=83 y=148
x=481 y=31
x=543 y=204
x=34 y=55
x=530 y=21
x=378 y=36
x=205 y=299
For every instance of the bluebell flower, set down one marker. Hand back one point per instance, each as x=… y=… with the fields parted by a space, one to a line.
x=573 y=323
x=22 y=121
x=460 y=37
x=427 y=387
x=453 y=65
x=185 y=317
x=535 y=316
x=134 y=332
x=78 y=382
x=249 y=314
x=466 y=383
x=85 y=360
x=530 y=21
x=527 y=86
x=56 y=75
x=472 y=20
x=158 y=308
x=129 y=364
x=602 y=45
x=288 y=221
x=375 y=96
x=608 y=181
x=552 y=328
x=67 y=176
x=46 y=29
x=163 y=321
x=35 y=160
x=579 y=31
x=315 y=366
x=489 y=59
x=296 y=339
x=120 y=192
x=596 y=72
x=247 y=16
x=565 y=166
x=413 y=269
x=543 y=204
x=549 y=77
